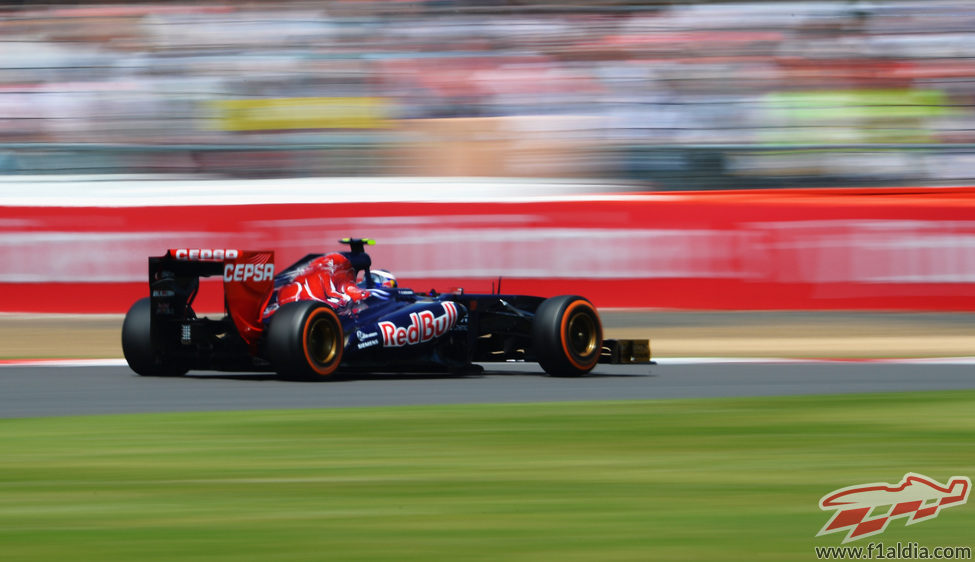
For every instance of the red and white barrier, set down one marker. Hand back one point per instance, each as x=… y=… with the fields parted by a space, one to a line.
x=892 y=249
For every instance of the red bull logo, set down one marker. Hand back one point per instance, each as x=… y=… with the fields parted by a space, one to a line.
x=915 y=497
x=424 y=326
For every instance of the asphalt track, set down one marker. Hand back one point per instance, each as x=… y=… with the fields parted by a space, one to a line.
x=44 y=390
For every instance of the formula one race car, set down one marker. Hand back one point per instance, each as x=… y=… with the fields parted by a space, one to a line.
x=330 y=312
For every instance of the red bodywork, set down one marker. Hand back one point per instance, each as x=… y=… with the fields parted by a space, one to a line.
x=248 y=283
x=248 y=279
x=329 y=278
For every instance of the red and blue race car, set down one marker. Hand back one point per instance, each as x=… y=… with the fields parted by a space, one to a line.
x=331 y=313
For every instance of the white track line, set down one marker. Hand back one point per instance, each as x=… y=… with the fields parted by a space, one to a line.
x=659 y=361
x=63 y=363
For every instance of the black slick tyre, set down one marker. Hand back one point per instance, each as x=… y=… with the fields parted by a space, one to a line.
x=145 y=346
x=305 y=341
x=567 y=336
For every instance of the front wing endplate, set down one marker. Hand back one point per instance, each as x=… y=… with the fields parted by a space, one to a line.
x=625 y=352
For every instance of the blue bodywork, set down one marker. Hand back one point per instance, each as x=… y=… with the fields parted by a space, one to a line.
x=393 y=325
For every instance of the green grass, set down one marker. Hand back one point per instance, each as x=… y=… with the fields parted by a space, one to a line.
x=720 y=479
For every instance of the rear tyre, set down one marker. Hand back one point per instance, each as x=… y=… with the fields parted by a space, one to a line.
x=145 y=346
x=305 y=341
x=567 y=336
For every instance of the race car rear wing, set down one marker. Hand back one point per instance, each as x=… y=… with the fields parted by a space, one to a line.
x=248 y=278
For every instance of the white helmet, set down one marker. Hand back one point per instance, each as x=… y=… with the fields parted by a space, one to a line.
x=383 y=278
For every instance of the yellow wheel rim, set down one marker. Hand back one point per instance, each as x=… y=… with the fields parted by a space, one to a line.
x=322 y=345
x=582 y=335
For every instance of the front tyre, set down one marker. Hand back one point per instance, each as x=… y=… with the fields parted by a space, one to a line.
x=305 y=340
x=567 y=336
x=144 y=345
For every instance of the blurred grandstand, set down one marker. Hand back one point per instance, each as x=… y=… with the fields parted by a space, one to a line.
x=673 y=95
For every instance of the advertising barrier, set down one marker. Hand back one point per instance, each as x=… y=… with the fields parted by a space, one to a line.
x=875 y=249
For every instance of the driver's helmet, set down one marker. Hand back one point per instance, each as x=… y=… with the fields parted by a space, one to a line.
x=383 y=278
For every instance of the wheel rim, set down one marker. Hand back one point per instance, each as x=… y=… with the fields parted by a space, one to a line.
x=322 y=344
x=582 y=335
